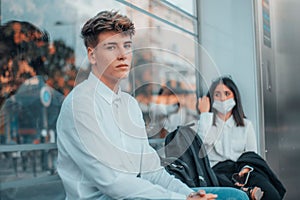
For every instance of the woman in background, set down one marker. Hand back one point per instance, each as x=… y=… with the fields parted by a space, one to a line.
x=231 y=145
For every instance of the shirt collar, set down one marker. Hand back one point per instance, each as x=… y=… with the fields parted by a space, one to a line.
x=104 y=91
x=230 y=121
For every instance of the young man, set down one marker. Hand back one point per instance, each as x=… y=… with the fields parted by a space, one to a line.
x=103 y=151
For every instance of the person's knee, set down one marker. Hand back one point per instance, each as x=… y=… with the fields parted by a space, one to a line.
x=238 y=194
x=227 y=193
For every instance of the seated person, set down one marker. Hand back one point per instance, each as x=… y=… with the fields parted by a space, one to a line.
x=103 y=149
x=228 y=135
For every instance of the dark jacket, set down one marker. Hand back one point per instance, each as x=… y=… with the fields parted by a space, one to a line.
x=191 y=164
x=225 y=169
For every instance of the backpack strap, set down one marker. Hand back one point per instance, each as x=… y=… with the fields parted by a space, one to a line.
x=190 y=138
x=186 y=145
x=202 y=154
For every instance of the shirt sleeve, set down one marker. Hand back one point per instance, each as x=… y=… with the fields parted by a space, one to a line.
x=169 y=182
x=251 y=144
x=204 y=126
x=110 y=180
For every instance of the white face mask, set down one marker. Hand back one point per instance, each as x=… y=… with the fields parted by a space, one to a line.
x=224 y=106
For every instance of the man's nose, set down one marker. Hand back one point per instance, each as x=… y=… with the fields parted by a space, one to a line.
x=122 y=54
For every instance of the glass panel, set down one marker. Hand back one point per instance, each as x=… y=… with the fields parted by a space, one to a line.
x=186 y=5
x=42 y=58
x=169 y=11
x=46 y=54
x=163 y=75
x=41 y=54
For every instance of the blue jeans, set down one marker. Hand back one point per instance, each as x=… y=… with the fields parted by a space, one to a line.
x=225 y=193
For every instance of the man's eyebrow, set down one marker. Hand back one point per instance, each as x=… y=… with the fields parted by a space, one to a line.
x=110 y=43
x=115 y=43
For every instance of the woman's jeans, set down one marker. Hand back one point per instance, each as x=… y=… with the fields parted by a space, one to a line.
x=225 y=193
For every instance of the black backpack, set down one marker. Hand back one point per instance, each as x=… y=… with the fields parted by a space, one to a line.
x=186 y=158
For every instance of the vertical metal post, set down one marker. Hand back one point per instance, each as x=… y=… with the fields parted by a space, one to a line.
x=199 y=88
x=257 y=9
x=0 y=12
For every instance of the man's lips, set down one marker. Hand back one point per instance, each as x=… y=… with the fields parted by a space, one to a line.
x=122 y=66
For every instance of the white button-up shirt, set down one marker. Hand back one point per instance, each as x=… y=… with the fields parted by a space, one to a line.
x=103 y=146
x=225 y=140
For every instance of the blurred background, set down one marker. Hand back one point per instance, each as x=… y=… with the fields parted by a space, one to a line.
x=179 y=48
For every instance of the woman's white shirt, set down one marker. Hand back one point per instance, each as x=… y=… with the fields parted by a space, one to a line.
x=226 y=140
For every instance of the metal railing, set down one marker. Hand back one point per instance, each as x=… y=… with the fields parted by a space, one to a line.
x=7 y=149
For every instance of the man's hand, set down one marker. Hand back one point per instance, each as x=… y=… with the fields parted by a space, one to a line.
x=201 y=195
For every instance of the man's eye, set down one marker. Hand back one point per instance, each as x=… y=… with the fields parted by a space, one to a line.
x=127 y=46
x=110 y=47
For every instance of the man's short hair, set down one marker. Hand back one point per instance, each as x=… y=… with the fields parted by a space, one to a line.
x=103 y=22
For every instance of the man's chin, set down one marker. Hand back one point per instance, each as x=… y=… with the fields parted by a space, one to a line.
x=124 y=76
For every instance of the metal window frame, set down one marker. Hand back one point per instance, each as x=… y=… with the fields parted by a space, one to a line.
x=126 y=3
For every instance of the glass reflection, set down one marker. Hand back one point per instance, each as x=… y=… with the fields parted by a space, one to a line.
x=27 y=164
x=45 y=51
x=35 y=77
x=30 y=55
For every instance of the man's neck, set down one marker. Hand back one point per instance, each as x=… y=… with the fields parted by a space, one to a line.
x=111 y=84
x=114 y=86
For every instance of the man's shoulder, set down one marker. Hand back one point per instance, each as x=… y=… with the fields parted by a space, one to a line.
x=80 y=93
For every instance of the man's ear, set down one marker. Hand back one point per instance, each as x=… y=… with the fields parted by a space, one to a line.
x=91 y=55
